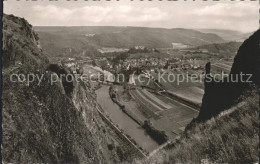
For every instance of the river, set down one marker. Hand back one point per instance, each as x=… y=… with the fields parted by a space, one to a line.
x=130 y=127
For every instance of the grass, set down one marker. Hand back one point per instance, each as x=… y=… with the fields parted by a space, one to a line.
x=149 y=99
x=150 y=109
x=192 y=94
x=149 y=103
x=154 y=99
x=231 y=137
x=219 y=68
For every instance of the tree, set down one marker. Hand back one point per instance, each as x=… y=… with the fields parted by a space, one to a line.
x=94 y=63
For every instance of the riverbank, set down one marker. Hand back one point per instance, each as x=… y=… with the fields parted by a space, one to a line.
x=142 y=152
x=122 y=121
x=122 y=98
x=114 y=98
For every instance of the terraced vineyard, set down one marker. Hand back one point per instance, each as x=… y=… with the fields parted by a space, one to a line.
x=186 y=88
x=171 y=115
x=219 y=69
x=188 y=80
x=225 y=65
x=149 y=106
x=154 y=99
x=193 y=94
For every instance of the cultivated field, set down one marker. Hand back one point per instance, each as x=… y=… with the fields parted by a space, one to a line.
x=147 y=105
x=193 y=94
x=224 y=65
x=154 y=99
x=218 y=67
x=169 y=115
x=185 y=88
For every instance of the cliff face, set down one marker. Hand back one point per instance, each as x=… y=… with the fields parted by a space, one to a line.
x=227 y=128
x=245 y=73
x=49 y=123
x=247 y=59
x=21 y=45
x=40 y=123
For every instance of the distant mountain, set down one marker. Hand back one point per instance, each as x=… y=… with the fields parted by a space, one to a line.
x=229 y=35
x=86 y=40
x=155 y=37
x=243 y=37
x=226 y=49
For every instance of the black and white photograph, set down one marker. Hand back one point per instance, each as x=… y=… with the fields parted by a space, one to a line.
x=130 y=82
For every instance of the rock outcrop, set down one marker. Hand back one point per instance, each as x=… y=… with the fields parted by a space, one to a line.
x=41 y=123
x=245 y=74
x=21 y=45
x=247 y=59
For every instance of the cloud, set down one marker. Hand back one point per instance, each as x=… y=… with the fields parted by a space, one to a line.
x=241 y=16
x=238 y=9
x=89 y=15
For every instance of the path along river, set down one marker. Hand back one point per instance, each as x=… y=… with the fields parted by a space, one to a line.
x=130 y=127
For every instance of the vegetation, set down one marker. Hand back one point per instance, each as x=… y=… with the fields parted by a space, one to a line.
x=41 y=124
x=73 y=41
x=230 y=137
x=159 y=136
x=119 y=58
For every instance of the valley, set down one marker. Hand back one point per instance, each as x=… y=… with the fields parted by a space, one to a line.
x=144 y=101
x=135 y=95
x=161 y=90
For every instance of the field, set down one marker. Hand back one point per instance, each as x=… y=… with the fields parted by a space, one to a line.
x=147 y=105
x=193 y=94
x=111 y=50
x=173 y=112
x=185 y=87
x=154 y=99
x=224 y=66
x=168 y=115
x=219 y=68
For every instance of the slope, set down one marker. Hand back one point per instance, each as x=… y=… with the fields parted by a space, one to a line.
x=44 y=123
x=226 y=129
x=228 y=35
x=231 y=137
x=84 y=41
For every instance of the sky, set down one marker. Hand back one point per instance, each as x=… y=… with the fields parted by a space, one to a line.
x=224 y=14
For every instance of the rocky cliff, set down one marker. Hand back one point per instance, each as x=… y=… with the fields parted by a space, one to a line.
x=227 y=128
x=247 y=59
x=44 y=123
x=244 y=75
